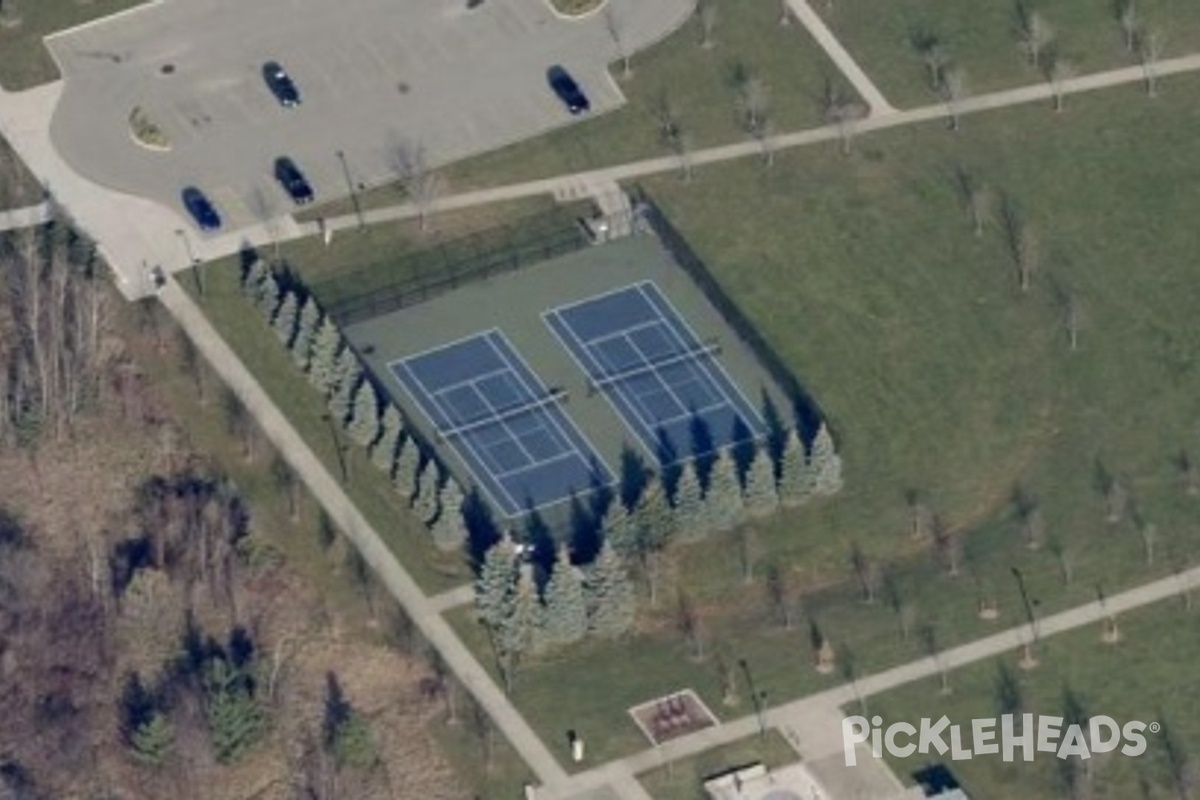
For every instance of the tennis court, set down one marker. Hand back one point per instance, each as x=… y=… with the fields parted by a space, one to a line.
x=667 y=385
x=506 y=426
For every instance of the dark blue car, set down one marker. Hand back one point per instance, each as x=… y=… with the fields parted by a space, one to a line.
x=568 y=90
x=201 y=209
x=281 y=84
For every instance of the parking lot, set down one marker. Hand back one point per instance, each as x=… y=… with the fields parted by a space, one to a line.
x=378 y=78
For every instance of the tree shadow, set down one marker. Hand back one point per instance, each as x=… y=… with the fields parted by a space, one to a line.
x=482 y=531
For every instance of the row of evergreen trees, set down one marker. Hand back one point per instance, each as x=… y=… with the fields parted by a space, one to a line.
x=705 y=496
x=712 y=494
x=598 y=600
x=356 y=405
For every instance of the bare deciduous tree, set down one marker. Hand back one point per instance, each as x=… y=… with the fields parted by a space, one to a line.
x=1127 y=16
x=707 y=13
x=954 y=89
x=1150 y=50
x=843 y=111
x=420 y=182
x=1034 y=34
x=974 y=196
x=866 y=571
x=1058 y=69
x=930 y=50
x=1022 y=243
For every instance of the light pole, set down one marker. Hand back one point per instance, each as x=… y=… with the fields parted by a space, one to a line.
x=1029 y=604
x=756 y=697
x=353 y=191
x=191 y=256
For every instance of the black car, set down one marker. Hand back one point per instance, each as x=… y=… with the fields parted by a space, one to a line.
x=281 y=84
x=201 y=209
x=293 y=181
x=568 y=90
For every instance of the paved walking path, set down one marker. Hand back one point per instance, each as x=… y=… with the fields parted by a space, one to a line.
x=453 y=598
x=654 y=166
x=346 y=516
x=813 y=724
x=833 y=48
x=27 y=217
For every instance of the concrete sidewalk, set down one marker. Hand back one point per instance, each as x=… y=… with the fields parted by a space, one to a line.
x=17 y=218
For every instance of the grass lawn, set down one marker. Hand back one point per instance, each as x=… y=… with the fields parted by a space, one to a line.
x=24 y=61
x=981 y=38
x=684 y=779
x=18 y=186
x=942 y=380
x=696 y=83
x=1147 y=677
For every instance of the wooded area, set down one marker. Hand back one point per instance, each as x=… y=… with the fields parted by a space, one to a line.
x=158 y=636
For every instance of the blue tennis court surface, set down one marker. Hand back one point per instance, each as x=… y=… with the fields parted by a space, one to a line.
x=665 y=383
x=505 y=425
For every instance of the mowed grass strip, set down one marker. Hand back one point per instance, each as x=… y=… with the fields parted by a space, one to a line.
x=24 y=60
x=894 y=41
x=1146 y=676
x=943 y=383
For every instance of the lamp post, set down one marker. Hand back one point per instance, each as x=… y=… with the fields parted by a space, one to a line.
x=756 y=697
x=1029 y=604
x=191 y=257
x=353 y=191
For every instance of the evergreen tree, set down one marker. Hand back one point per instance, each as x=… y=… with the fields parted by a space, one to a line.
x=617 y=527
x=652 y=524
x=306 y=331
x=520 y=634
x=795 y=479
x=565 y=620
x=825 y=463
x=408 y=464
x=385 y=450
x=450 y=529
x=723 y=500
x=153 y=739
x=608 y=594
x=761 y=496
x=691 y=519
x=653 y=519
x=326 y=347
x=364 y=417
x=266 y=300
x=252 y=279
x=347 y=370
x=341 y=403
x=496 y=586
x=236 y=721
x=286 y=318
x=425 y=503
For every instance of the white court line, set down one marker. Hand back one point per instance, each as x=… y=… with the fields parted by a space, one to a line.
x=683 y=357
x=470 y=446
x=563 y=455
x=531 y=375
x=623 y=332
x=666 y=301
x=608 y=397
x=592 y=299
